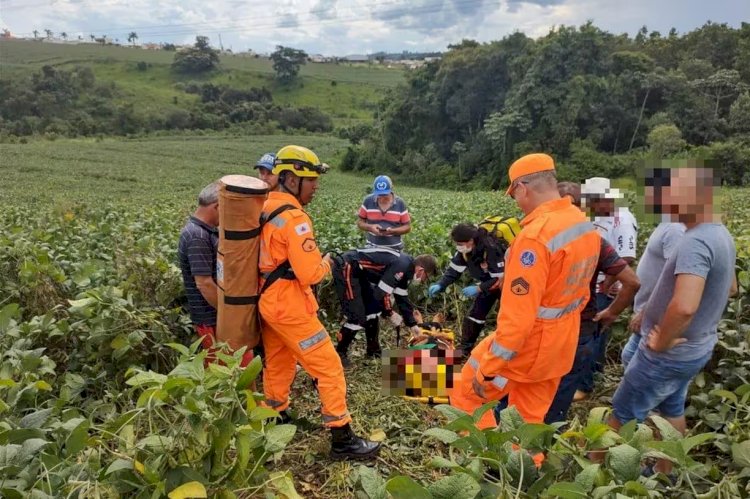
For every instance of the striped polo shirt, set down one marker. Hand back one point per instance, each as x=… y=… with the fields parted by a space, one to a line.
x=395 y=216
x=199 y=243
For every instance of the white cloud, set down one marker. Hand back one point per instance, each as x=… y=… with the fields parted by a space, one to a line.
x=354 y=26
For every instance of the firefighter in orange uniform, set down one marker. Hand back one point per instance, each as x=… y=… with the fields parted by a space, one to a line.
x=290 y=263
x=547 y=272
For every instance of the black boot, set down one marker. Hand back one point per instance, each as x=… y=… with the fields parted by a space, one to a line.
x=372 y=331
x=346 y=445
x=470 y=331
x=284 y=418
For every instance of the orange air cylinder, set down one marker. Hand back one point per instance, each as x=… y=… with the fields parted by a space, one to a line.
x=241 y=201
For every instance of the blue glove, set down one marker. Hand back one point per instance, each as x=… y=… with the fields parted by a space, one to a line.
x=434 y=290
x=470 y=291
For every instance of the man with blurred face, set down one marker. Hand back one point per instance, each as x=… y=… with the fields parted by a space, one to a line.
x=680 y=319
x=265 y=170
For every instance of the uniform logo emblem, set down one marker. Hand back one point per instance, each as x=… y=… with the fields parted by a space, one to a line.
x=309 y=245
x=302 y=229
x=399 y=275
x=528 y=258
x=519 y=286
x=381 y=186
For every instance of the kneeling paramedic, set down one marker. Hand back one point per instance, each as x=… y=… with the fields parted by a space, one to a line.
x=365 y=279
x=547 y=272
x=479 y=253
x=290 y=263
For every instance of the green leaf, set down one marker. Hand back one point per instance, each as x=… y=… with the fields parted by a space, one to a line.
x=725 y=394
x=586 y=478
x=741 y=453
x=625 y=462
x=510 y=419
x=597 y=415
x=451 y=413
x=262 y=413
x=249 y=374
x=441 y=462
x=146 y=378
x=567 y=490
x=283 y=483
x=35 y=419
x=530 y=434
x=156 y=443
x=690 y=442
x=179 y=348
x=633 y=488
x=7 y=314
x=278 y=436
x=372 y=483
x=458 y=486
x=403 y=487
x=666 y=430
x=76 y=441
x=30 y=449
x=119 y=465
x=445 y=436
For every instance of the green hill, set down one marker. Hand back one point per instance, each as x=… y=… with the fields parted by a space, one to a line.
x=347 y=93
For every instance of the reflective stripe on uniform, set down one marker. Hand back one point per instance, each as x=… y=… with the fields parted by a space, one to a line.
x=379 y=249
x=474 y=363
x=556 y=313
x=330 y=419
x=499 y=382
x=478 y=321
x=500 y=351
x=313 y=340
x=457 y=268
x=569 y=235
x=400 y=292
x=388 y=289
x=373 y=316
x=353 y=327
x=497 y=274
x=278 y=221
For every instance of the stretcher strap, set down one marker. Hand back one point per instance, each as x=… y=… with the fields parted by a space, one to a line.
x=241 y=235
x=244 y=190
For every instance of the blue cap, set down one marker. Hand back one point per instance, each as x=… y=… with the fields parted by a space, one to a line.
x=266 y=161
x=382 y=185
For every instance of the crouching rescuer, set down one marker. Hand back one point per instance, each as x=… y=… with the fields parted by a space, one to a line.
x=290 y=263
x=365 y=279
x=479 y=253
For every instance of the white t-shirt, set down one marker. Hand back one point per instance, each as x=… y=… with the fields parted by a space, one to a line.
x=621 y=231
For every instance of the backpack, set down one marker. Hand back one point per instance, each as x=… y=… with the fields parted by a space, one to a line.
x=505 y=229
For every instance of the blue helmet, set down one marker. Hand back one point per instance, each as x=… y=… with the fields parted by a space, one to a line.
x=266 y=161
x=382 y=185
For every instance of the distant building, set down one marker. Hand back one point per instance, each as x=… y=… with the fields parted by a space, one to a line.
x=151 y=46
x=355 y=58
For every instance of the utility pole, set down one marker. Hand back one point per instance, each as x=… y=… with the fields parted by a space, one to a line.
x=221 y=45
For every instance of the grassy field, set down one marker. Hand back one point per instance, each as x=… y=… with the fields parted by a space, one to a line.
x=348 y=93
x=88 y=251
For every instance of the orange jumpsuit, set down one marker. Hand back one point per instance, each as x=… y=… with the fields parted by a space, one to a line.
x=291 y=331
x=547 y=274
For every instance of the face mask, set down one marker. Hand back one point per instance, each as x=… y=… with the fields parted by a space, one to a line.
x=463 y=249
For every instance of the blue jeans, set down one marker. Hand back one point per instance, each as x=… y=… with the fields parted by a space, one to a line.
x=629 y=349
x=600 y=348
x=654 y=383
x=582 y=366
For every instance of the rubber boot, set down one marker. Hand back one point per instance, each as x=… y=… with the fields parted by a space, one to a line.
x=346 y=445
x=469 y=333
x=284 y=418
x=372 y=331
x=345 y=338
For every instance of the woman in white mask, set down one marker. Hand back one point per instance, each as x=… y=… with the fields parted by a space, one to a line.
x=481 y=254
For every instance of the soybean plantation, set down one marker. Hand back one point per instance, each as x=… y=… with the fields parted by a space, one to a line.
x=103 y=392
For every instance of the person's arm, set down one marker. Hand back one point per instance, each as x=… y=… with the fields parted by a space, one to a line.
x=456 y=267
x=304 y=256
x=208 y=288
x=630 y=285
x=519 y=305
x=685 y=301
x=365 y=227
x=398 y=231
x=733 y=288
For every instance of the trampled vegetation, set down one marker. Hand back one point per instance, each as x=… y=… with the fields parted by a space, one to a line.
x=101 y=394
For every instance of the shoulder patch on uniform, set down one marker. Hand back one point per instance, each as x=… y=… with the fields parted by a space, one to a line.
x=528 y=258
x=519 y=286
x=309 y=245
x=302 y=229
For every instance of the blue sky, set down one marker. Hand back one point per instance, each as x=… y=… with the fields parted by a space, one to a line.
x=340 y=27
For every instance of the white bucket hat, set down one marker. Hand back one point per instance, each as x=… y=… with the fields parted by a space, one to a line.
x=599 y=187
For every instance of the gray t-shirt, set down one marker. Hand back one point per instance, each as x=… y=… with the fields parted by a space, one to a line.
x=707 y=250
x=661 y=244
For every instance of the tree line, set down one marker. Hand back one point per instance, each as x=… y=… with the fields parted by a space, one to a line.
x=599 y=102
